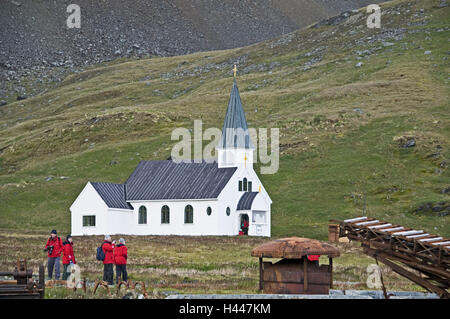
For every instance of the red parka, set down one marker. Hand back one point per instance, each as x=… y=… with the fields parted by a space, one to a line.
x=120 y=254
x=68 y=255
x=108 y=249
x=57 y=246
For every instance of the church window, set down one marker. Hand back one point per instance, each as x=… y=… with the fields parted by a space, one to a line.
x=165 y=215
x=209 y=211
x=240 y=186
x=89 y=221
x=228 y=211
x=142 y=215
x=245 y=184
x=249 y=186
x=188 y=214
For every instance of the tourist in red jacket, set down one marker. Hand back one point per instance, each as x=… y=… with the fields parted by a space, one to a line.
x=108 y=262
x=68 y=256
x=53 y=249
x=120 y=259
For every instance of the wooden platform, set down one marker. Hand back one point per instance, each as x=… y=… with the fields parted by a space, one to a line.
x=403 y=248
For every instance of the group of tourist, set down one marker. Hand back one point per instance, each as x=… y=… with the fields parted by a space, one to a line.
x=112 y=255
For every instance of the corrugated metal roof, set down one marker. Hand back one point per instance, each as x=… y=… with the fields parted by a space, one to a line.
x=155 y=180
x=235 y=130
x=246 y=201
x=112 y=194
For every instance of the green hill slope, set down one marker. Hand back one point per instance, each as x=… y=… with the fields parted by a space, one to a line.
x=342 y=126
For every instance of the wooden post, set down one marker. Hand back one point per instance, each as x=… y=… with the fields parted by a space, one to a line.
x=261 y=271
x=330 y=260
x=382 y=281
x=42 y=280
x=305 y=274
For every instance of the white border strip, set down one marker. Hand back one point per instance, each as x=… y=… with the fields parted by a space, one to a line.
x=355 y=219
x=392 y=229
x=409 y=232
x=430 y=239
x=417 y=236
x=367 y=223
x=441 y=243
x=380 y=226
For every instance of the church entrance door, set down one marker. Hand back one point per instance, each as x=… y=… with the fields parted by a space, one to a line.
x=244 y=223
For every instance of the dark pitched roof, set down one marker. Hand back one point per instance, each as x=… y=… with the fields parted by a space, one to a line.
x=112 y=194
x=235 y=130
x=155 y=180
x=246 y=201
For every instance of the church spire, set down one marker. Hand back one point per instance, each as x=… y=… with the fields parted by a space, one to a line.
x=235 y=131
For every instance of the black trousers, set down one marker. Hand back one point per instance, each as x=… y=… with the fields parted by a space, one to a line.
x=121 y=270
x=108 y=273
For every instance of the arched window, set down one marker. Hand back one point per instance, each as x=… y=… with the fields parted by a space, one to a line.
x=188 y=214
x=142 y=215
x=228 y=211
x=245 y=184
x=165 y=215
x=209 y=211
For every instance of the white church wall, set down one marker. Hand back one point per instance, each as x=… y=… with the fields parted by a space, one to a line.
x=260 y=217
x=235 y=157
x=119 y=221
x=229 y=197
x=88 y=203
x=202 y=225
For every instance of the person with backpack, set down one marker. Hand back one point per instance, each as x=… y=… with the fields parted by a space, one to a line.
x=120 y=259
x=108 y=260
x=68 y=256
x=53 y=249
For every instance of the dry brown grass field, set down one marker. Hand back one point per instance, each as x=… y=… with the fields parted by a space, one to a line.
x=181 y=264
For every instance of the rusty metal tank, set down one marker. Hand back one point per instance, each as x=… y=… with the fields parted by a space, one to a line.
x=294 y=273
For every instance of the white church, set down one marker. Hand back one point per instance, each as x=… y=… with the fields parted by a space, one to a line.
x=163 y=197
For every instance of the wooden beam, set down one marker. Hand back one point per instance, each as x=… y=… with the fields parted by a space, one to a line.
x=330 y=260
x=305 y=274
x=382 y=281
x=261 y=272
x=411 y=276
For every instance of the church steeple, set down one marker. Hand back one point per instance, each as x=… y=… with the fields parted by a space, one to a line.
x=235 y=140
x=235 y=129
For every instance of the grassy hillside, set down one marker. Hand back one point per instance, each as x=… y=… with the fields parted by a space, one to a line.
x=342 y=127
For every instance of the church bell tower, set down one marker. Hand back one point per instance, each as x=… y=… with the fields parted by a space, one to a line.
x=235 y=148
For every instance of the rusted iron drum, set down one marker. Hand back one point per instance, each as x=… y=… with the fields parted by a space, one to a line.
x=294 y=273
